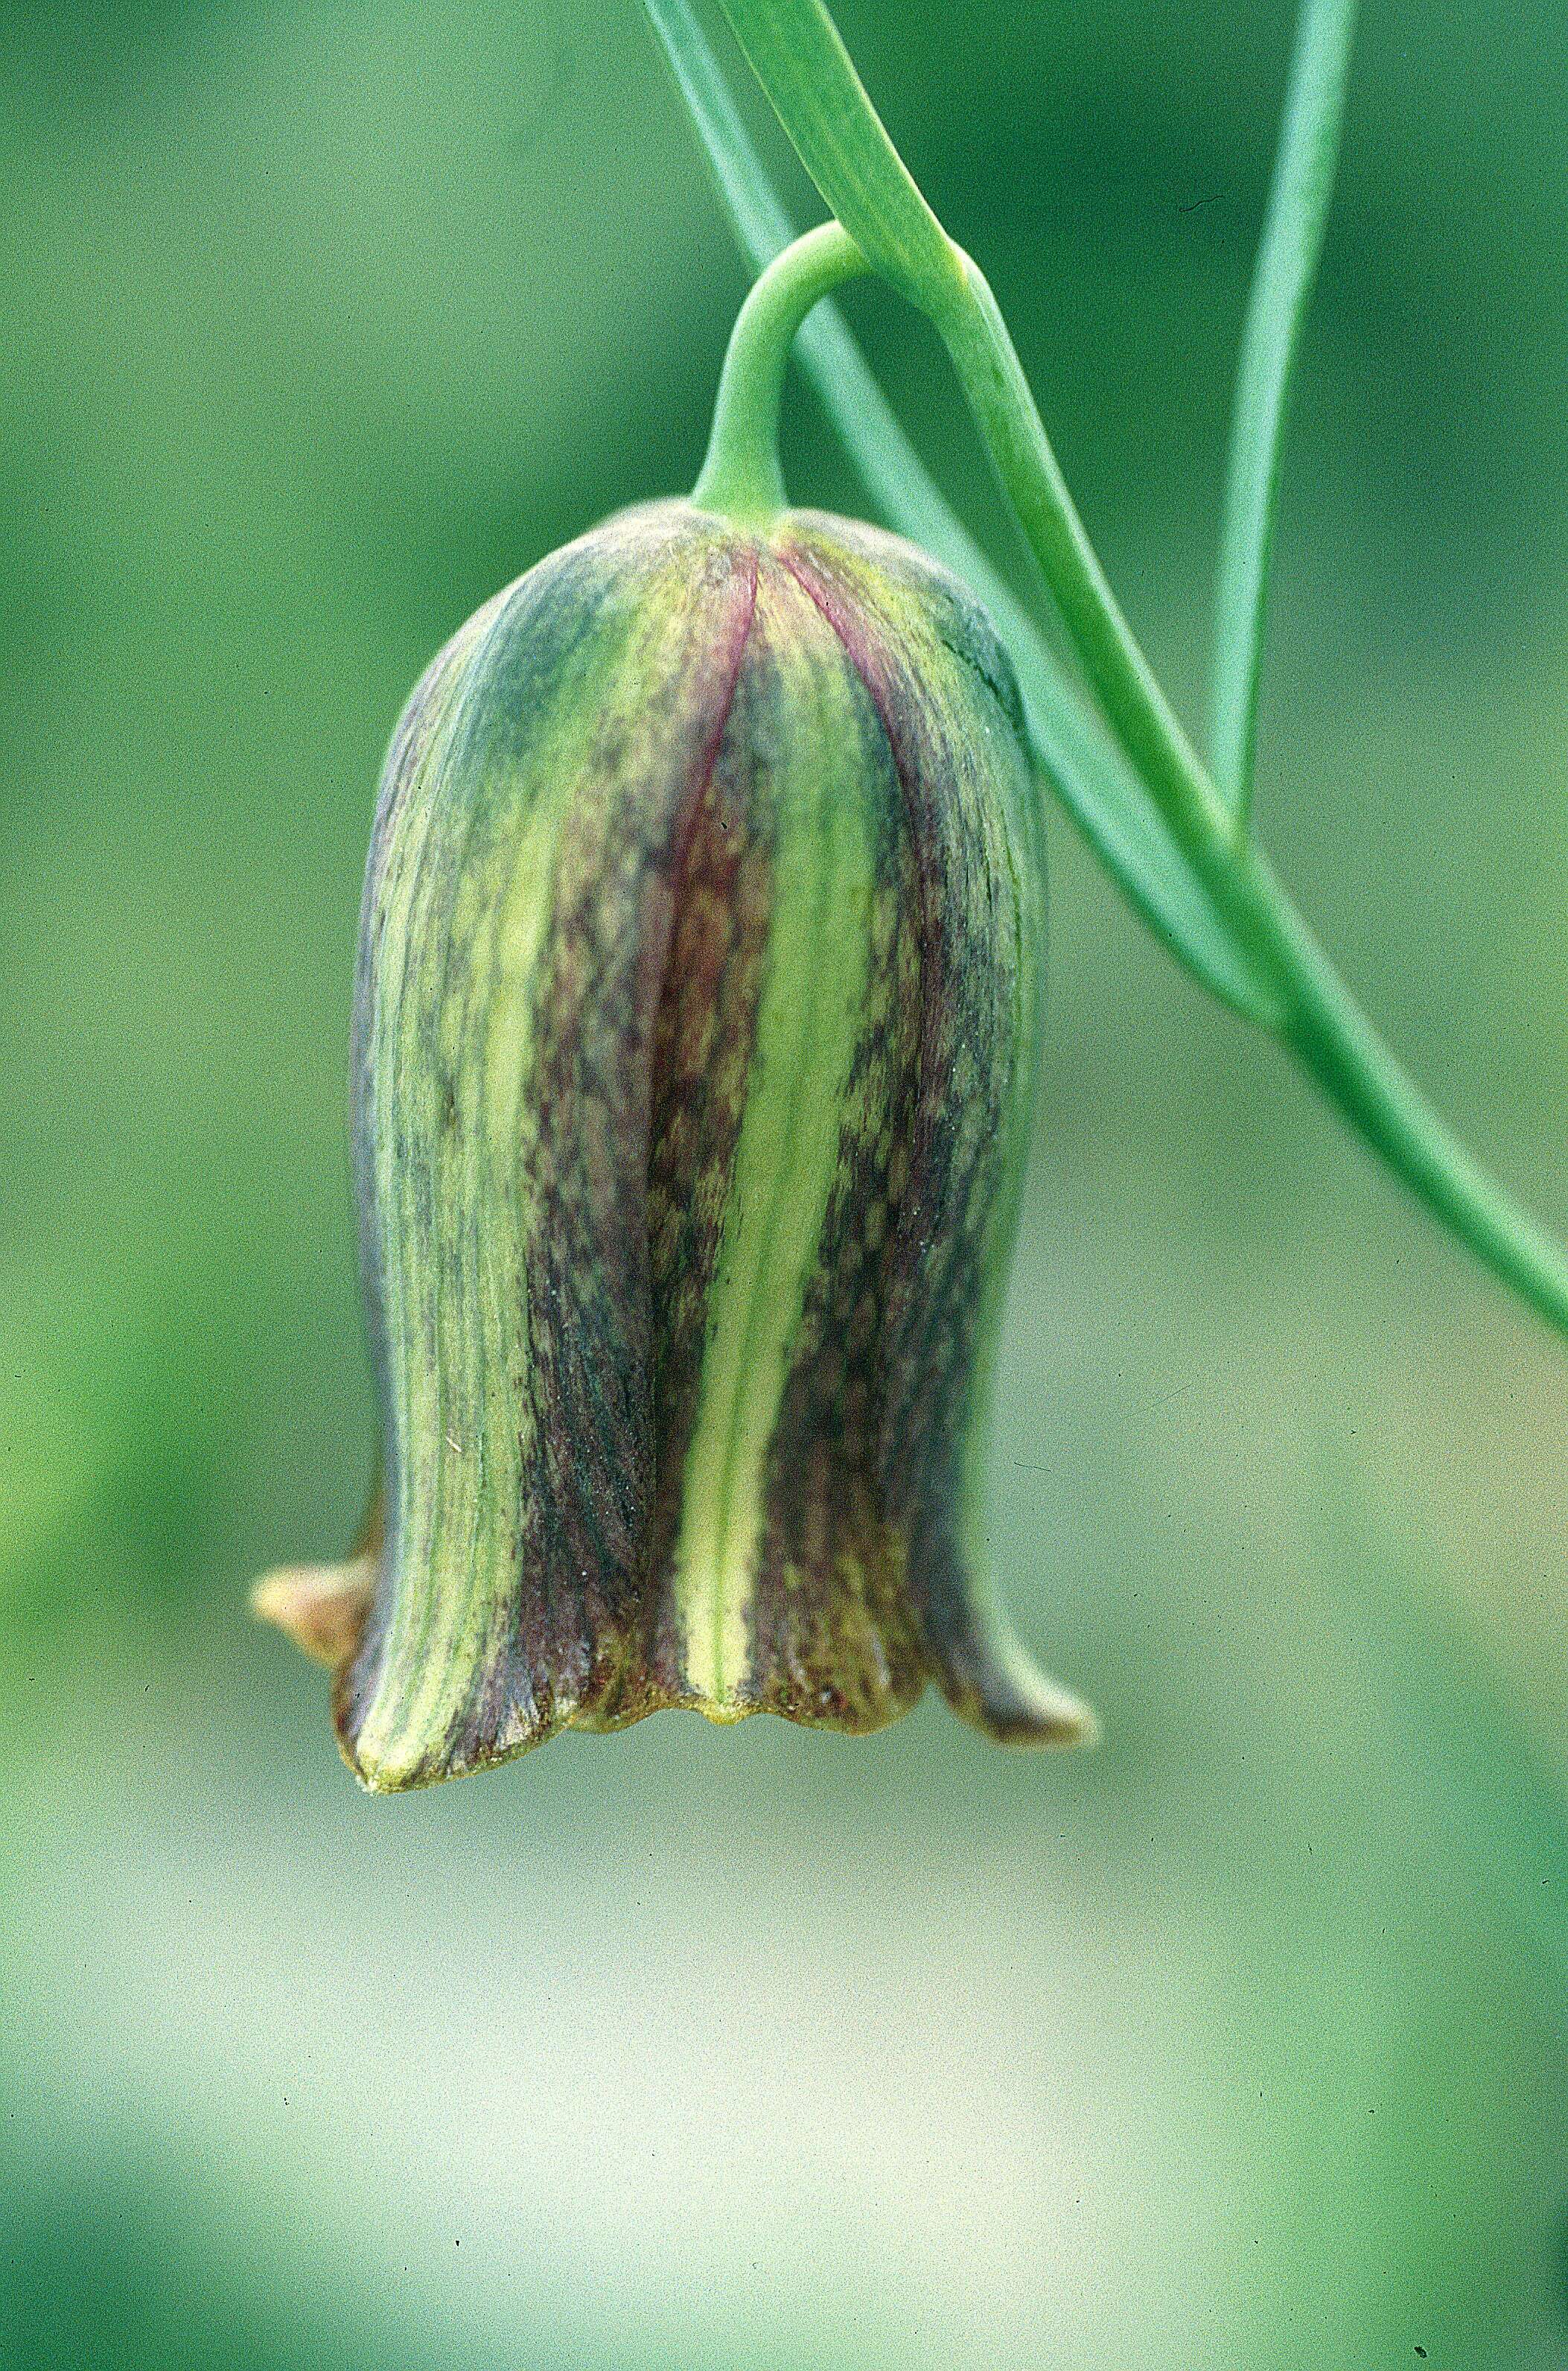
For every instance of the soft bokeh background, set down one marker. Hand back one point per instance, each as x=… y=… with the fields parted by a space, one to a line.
x=1237 y=2046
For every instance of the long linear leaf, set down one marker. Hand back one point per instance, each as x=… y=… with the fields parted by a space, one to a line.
x=1087 y=772
x=1282 y=287
x=802 y=64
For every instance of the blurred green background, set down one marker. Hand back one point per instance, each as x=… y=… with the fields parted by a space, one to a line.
x=1238 y=2045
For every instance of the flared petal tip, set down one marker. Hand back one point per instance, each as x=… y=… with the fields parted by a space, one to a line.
x=995 y=1684
x=1039 y=1713
x=321 y=1607
x=399 y=1773
x=1065 y=1719
x=396 y=1767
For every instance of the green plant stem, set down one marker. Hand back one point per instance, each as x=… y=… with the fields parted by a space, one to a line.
x=1315 y=1014
x=742 y=477
x=808 y=75
x=801 y=62
x=796 y=52
x=1282 y=286
x=971 y=326
x=1319 y=1019
x=1082 y=762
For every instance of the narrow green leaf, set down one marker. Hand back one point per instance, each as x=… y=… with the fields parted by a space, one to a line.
x=757 y=212
x=1282 y=286
x=1087 y=772
x=796 y=53
x=1283 y=977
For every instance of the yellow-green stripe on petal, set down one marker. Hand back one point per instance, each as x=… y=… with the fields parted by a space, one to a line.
x=521 y=902
x=698 y=993
x=808 y=723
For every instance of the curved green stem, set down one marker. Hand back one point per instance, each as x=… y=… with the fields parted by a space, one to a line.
x=1318 y=1017
x=741 y=475
x=797 y=56
x=1311 y=1011
x=1084 y=766
x=983 y=353
x=808 y=73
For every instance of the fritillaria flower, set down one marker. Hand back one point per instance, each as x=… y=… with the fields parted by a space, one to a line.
x=699 y=977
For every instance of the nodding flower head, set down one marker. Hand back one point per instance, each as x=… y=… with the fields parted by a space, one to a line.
x=699 y=979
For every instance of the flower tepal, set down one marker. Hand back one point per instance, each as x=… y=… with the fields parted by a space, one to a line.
x=698 y=987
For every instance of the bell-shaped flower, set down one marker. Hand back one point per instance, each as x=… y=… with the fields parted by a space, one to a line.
x=699 y=994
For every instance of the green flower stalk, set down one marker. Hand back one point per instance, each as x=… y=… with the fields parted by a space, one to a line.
x=696 y=1021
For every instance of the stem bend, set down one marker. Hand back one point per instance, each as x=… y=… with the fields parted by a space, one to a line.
x=741 y=477
x=1312 y=1011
